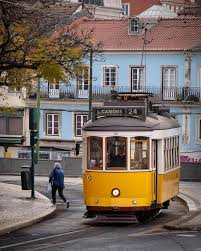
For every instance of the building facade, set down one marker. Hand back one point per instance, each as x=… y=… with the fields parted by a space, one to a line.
x=168 y=66
x=163 y=58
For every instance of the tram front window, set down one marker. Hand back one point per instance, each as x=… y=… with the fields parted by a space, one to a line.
x=139 y=154
x=116 y=153
x=95 y=153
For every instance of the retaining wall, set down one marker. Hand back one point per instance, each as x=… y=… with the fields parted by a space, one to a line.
x=72 y=166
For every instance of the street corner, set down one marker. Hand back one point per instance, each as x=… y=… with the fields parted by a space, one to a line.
x=19 y=210
x=191 y=221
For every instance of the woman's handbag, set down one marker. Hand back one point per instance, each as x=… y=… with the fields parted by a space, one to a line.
x=49 y=187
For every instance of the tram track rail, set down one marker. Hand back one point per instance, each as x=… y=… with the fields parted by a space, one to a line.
x=51 y=238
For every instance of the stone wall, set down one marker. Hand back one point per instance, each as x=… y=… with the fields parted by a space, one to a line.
x=191 y=171
x=72 y=166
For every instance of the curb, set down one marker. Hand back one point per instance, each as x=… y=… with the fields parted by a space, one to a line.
x=182 y=222
x=21 y=225
x=49 y=212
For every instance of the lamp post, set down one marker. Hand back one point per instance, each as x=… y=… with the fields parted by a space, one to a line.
x=38 y=123
x=33 y=141
x=90 y=82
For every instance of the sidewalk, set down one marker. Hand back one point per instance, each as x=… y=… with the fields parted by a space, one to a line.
x=17 y=210
x=190 y=193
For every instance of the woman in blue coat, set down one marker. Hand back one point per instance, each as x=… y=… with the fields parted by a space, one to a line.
x=56 y=177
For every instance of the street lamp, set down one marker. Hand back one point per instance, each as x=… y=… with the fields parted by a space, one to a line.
x=90 y=82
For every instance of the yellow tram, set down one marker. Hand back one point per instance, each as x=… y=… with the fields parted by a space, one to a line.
x=130 y=159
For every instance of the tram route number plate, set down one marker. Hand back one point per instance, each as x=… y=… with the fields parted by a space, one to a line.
x=120 y=111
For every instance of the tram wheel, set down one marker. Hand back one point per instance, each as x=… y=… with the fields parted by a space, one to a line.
x=146 y=216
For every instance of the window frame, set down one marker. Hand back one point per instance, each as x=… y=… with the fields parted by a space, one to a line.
x=8 y=125
x=114 y=168
x=154 y=154
x=198 y=130
x=83 y=78
x=53 y=121
x=171 y=153
x=169 y=67
x=109 y=67
x=125 y=9
x=89 y=154
x=134 y=25
x=82 y=123
x=148 y=153
x=169 y=90
x=140 y=86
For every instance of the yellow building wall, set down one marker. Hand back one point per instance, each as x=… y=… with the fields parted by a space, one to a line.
x=7 y=154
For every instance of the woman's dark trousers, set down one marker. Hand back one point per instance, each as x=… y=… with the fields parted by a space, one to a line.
x=54 y=190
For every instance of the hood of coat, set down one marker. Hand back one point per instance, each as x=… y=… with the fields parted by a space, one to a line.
x=57 y=165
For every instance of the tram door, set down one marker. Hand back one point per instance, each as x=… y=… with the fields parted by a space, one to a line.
x=154 y=165
x=140 y=162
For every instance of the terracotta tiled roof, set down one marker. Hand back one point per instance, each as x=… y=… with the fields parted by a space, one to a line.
x=138 y=6
x=167 y=34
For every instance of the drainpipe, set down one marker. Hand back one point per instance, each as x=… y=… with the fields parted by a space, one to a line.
x=187 y=70
x=187 y=75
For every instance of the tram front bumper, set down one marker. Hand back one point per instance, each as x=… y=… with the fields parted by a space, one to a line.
x=120 y=209
x=117 y=202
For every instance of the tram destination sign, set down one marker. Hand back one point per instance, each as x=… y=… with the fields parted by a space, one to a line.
x=119 y=111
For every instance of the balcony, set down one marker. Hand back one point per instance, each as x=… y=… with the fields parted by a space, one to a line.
x=177 y=94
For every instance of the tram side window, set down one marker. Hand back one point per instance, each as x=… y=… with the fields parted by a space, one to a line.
x=171 y=153
x=177 y=151
x=139 y=154
x=95 y=153
x=154 y=154
x=116 y=153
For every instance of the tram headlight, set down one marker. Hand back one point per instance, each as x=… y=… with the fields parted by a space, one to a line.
x=115 y=192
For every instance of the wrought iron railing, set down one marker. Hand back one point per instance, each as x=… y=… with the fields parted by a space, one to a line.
x=184 y=94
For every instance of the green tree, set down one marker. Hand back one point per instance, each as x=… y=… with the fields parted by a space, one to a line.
x=34 y=43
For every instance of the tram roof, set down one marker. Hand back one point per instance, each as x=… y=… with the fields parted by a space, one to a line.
x=156 y=122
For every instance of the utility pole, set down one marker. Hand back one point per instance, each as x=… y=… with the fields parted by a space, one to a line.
x=90 y=82
x=32 y=171
x=38 y=123
x=33 y=142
